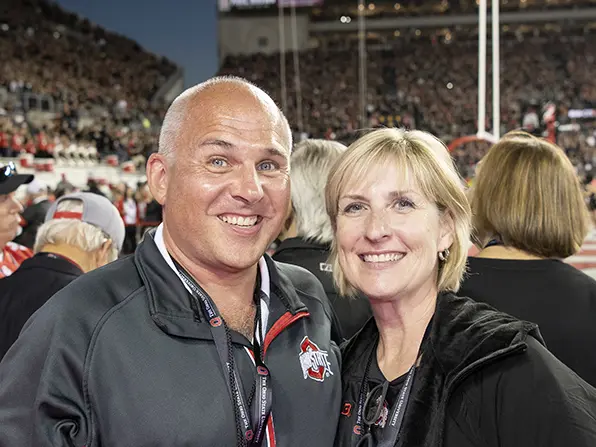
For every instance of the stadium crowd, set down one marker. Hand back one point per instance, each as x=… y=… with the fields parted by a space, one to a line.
x=98 y=85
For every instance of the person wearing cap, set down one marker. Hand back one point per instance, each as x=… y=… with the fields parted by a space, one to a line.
x=199 y=338
x=12 y=254
x=35 y=212
x=81 y=232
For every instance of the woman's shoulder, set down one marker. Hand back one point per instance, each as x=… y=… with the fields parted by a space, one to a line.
x=524 y=393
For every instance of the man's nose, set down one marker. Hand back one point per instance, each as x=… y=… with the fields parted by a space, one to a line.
x=16 y=206
x=248 y=186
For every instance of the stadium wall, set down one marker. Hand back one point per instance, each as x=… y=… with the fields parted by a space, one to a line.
x=245 y=36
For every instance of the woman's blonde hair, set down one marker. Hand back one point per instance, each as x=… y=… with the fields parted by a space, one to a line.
x=527 y=193
x=426 y=160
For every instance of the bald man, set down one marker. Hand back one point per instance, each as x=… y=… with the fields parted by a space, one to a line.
x=199 y=339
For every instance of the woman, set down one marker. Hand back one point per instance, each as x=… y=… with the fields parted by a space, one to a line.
x=431 y=368
x=529 y=214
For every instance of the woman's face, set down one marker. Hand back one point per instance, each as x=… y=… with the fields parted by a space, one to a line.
x=389 y=235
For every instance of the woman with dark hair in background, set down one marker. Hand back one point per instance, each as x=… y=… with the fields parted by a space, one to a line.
x=530 y=214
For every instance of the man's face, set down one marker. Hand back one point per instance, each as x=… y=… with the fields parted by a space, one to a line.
x=10 y=208
x=228 y=189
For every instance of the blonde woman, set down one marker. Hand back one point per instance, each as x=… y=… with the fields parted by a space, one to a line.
x=529 y=215
x=431 y=368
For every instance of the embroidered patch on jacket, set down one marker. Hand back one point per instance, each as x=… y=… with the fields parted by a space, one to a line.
x=324 y=267
x=314 y=362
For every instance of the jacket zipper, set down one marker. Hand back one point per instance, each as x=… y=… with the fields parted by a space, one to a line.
x=280 y=325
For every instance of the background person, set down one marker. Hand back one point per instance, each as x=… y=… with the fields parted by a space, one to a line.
x=81 y=232
x=13 y=254
x=529 y=214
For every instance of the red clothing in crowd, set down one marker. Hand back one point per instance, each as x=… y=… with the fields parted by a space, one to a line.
x=17 y=142
x=4 y=142
x=12 y=256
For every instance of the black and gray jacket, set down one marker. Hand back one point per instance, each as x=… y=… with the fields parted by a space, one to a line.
x=485 y=380
x=118 y=358
x=351 y=313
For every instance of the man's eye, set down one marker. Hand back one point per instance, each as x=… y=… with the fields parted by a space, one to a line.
x=268 y=166
x=218 y=162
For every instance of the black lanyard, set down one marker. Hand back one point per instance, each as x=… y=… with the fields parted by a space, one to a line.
x=250 y=434
x=395 y=420
x=361 y=432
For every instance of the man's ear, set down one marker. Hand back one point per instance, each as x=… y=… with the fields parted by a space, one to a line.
x=447 y=231
x=157 y=177
x=102 y=254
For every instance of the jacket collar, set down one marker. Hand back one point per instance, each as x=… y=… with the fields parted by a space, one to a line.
x=464 y=336
x=169 y=301
x=50 y=261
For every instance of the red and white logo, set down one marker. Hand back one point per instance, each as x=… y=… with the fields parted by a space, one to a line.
x=314 y=362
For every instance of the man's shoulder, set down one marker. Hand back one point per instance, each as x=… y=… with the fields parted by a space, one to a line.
x=98 y=291
x=304 y=281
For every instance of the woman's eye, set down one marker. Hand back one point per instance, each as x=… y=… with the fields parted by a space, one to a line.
x=404 y=204
x=353 y=208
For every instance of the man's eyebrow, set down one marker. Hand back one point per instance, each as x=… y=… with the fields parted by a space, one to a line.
x=227 y=145
x=216 y=142
x=276 y=152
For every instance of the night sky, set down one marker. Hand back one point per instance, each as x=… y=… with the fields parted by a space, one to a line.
x=185 y=31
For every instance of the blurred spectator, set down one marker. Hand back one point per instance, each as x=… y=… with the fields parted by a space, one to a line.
x=130 y=215
x=35 y=213
x=93 y=187
x=307 y=239
x=10 y=208
x=81 y=233
x=529 y=215
x=64 y=187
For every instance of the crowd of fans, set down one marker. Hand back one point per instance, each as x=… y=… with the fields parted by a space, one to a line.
x=134 y=202
x=63 y=55
x=424 y=83
x=434 y=85
x=85 y=72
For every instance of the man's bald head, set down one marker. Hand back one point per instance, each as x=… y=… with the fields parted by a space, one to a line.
x=221 y=92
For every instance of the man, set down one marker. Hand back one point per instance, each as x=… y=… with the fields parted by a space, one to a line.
x=35 y=212
x=72 y=241
x=307 y=241
x=10 y=210
x=198 y=339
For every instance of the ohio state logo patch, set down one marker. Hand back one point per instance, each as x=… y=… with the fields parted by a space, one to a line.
x=314 y=362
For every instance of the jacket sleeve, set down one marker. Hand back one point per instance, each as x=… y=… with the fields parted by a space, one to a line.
x=41 y=385
x=541 y=402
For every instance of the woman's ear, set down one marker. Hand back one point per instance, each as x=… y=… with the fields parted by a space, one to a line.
x=446 y=231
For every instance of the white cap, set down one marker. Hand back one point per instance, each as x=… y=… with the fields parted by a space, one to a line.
x=36 y=186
